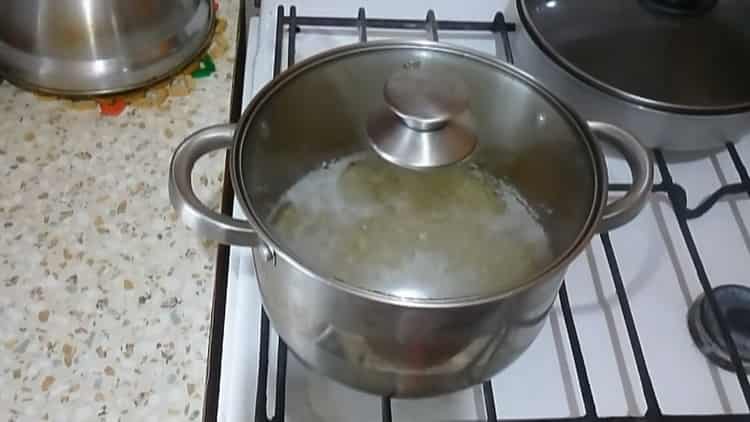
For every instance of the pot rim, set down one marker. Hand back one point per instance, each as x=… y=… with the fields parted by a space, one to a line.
x=540 y=42
x=264 y=233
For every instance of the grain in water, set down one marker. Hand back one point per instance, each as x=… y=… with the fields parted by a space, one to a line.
x=445 y=233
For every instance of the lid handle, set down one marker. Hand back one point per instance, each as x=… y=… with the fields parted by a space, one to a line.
x=425 y=123
x=425 y=100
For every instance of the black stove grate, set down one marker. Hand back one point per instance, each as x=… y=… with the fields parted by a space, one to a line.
x=676 y=194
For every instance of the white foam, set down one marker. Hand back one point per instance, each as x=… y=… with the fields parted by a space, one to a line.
x=457 y=233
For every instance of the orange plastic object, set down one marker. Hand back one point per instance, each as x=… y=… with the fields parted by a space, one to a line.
x=112 y=107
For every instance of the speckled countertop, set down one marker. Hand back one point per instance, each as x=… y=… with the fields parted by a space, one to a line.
x=104 y=296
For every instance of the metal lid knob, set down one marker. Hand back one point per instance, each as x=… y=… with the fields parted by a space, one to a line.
x=426 y=99
x=421 y=127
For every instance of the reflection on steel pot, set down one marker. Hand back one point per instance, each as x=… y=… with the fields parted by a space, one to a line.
x=673 y=72
x=394 y=298
x=92 y=47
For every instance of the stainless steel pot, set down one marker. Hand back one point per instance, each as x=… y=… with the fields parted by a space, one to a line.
x=673 y=72
x=92 y=47
x=371 y=337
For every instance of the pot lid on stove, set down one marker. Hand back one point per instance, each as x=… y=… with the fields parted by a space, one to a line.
x=417 y=171
x=687 y=56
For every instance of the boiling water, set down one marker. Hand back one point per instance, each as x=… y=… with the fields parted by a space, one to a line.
x=445 y=233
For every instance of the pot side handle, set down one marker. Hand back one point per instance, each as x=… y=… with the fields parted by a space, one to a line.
x=622 y=210
x=194 y=213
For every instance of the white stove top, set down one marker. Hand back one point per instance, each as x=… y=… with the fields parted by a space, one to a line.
x=656 y=269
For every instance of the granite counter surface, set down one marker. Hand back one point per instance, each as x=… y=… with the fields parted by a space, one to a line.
x=105 y=296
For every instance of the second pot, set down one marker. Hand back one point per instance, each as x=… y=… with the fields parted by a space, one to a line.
x=672 y=72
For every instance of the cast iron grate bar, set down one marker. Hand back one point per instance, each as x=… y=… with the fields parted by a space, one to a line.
x=362 y=25
x=678 y=194
x=406 y=24
x=280 y=407
x=219 y=302
x=652 y=406
x=497 y=25
x=432 y=26
x=575 y=348
x=261 y=393
x=740 y=167
x=489 y=401
x=503 y=28
x=675 y=192
x=262 y=386
x=385 y=406
x=292 y=44
x=682 y=220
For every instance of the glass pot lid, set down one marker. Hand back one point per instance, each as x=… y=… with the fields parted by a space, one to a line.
x=311 y=181
x=690 y=56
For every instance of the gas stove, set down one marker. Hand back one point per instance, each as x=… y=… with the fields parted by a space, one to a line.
x=617 y=344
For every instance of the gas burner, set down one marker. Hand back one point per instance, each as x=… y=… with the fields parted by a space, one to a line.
x=734 y=304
